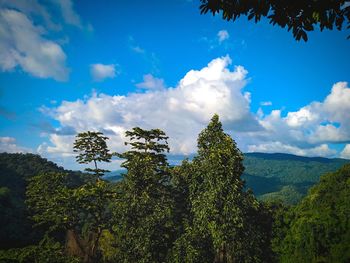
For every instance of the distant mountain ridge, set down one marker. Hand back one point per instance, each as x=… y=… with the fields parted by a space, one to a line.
x=285 y=176
x=287 y=156
x=282 y=176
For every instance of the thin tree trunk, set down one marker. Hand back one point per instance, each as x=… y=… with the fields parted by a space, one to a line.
x=73 y=246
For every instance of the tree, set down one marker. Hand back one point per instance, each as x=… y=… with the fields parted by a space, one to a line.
x=92 y=147
x=298 y=16
x=81 y=212
x=225 y=225
x=143 y=214
x=319 y=226
x=78 y=209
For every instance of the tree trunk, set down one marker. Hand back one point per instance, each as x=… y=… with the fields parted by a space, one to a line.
x=73 y=246
x=77 y=247
x=223 y=255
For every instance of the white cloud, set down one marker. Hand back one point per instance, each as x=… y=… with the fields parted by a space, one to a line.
x=223 y=35
x=68 y=13
x=62 y=145
x=23 y=44
x=345 y=153
x=138 y=49
x=32 y=8
x=9 y=145
x=309 y=130
x=182 y=112
x=322 y=150
x=316 y=123
x=266 y=103
x=152 y=83
x=26 y=28
x=100 y=72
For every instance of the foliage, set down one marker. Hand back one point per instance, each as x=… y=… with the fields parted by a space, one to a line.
x=199 y=211
x=92 y=147
x=47 y=251
x=285 y=177
x=319 y=230
x=15 y=169
x=224 y=226
x=298 y=16
x=287 y=195
x=81 y=211
x=143 y=212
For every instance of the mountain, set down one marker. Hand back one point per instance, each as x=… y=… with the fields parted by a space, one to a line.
x=319 y=226
x=114 y=176
x=278 y=176
x=16 y=230
x=285 y=176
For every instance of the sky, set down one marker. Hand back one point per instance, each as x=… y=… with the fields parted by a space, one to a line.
x=71 y=66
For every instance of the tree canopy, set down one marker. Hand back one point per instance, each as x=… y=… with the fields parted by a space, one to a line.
x=92 y=147
x=319 y=228
x=298 y=16
x=198 y=211
x=143 y=213
x=223 y=226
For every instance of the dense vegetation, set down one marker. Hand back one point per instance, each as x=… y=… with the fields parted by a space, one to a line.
x=319 y=226
x=15 y=170
x=285 y=177
x=198 y=211
x=277 y=176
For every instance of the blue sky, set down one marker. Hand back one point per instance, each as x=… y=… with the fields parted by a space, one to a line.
x=68 y=66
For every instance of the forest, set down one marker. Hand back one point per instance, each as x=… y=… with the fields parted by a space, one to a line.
x=219 y=206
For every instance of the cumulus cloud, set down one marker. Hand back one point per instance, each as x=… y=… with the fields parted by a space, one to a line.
x=322 y=150
x=223 y=35
x=309 y=130
x=62 y=145
x=9 y=145
x=151 y=82
x=345 y=153
x=26 y=28
x=23 y=44
x=100 y=72
x=181 y=111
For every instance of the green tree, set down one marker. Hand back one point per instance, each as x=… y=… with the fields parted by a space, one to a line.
x=143 y=213
x=81 y=212
x=319 y=227
x=225 y=225
x=298 y=16
x=92 y=147
x=16 y=229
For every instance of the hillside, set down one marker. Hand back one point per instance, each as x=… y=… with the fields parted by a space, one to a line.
x=273 y=176
x=285 y=176
x=16 y=229
x=319 y=228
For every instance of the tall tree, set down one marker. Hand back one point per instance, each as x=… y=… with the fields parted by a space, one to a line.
x=143 y=213
x=225 y=217
x=298 y=16
x=92 y=147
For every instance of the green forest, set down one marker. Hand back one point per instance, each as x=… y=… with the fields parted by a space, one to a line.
x=219 y=206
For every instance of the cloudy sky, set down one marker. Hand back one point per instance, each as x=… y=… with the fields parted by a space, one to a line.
x=71 y=66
